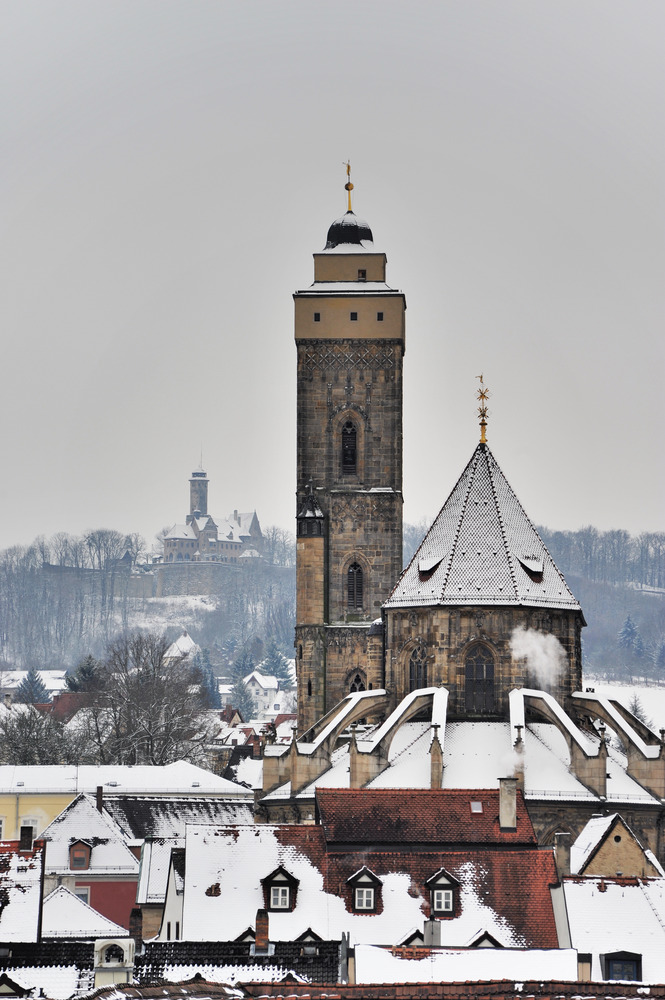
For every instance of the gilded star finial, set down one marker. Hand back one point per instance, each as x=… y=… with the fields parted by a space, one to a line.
x=348 y=187
x=483 y=395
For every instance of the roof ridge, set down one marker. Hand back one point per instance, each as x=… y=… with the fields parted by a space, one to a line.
x=499 y=514
x=472 y=462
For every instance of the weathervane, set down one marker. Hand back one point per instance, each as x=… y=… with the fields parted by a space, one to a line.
x=348 y=187
x=483 y=412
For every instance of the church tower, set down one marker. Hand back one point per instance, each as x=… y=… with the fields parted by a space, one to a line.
x=349 y=332
x=198 y=494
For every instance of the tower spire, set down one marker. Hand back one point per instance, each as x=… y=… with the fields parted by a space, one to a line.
x=483 y=412
x=348 y=187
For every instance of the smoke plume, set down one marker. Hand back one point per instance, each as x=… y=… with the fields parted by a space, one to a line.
x=545 y=656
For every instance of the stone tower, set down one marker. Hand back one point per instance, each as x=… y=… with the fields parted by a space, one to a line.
x=349 y=332
x=198 y=494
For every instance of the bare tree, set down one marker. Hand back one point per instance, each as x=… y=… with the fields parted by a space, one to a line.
x=148 y=709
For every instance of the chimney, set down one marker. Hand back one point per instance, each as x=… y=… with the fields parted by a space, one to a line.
x=436 y=759
x=562 y=853
x=262 y=932
x=99 y=798
x=508 y=803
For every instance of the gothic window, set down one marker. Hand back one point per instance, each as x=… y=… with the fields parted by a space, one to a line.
x=349 y=449
x=357 y=684
x=354 y=582
x=418 y=669
x=479 y=676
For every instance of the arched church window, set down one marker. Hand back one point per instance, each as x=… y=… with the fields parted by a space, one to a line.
x=418 y=669
x=357 y=683
x=354 y=583
x=349 y=449
x=113 y=954
x=479 y=677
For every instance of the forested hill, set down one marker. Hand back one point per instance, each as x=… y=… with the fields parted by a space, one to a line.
x=619 y=580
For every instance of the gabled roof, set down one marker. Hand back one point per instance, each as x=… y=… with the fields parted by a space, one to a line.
x=67 y=916
x=595 y=834
x=482 y=549
x=81 y=820
x=386 y=816
x=181 y=531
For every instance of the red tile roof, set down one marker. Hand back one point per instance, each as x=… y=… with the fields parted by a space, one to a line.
x=385 y=816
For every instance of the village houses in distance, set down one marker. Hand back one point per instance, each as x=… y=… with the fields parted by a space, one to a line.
x=443 y=810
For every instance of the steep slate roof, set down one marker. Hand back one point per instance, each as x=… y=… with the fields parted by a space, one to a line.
x=482 y=549
x=385 y=816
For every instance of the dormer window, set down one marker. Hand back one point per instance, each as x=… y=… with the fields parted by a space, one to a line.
x=79 y=856
x=280 y=889
x=444 y=894
x=365 y=891
x=280 y=897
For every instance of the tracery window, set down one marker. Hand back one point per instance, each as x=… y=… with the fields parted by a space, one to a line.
x=354 y=584
x=418 y=669
x=479 y=677
x=349 y=449
x=357 y=684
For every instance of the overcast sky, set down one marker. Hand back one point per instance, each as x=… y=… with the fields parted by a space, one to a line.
x=169 y=167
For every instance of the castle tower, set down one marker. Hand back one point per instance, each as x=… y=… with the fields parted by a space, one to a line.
x=349 y=332
x=198 y=493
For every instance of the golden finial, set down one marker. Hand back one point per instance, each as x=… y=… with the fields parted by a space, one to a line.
x=348 y=187
x=483 y=412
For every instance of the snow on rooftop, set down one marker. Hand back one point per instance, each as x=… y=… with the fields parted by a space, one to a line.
x=184 y=646
x=65 y=915
x=609 y=915
x=225 y=864
x=82 y=820
x=20 y=893
x=378 y=965
x=176 y=778
x=154 y=870
x=59 y=982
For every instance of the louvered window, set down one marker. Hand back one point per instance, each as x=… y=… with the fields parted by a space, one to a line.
x=349 y=449
x=355 y=586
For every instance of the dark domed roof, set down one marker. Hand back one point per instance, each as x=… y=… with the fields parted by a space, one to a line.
x=348 y=229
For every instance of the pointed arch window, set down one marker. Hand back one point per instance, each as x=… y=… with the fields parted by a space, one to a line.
x=354 y=586
x=349 y=449
x=479 y=677
x=418 y=669
x=357 y=683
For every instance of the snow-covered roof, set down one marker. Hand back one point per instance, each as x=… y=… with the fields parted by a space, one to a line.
x=262 y=680
x=501 y=891
x=147 y=779
x=591 y=837
x=20 y=892
x=65 y=915
x=154 y=871
x=347 y=288
x=184 y=646
x=81 y=820
x=448 y=965
x=608 y=915
x=167 y=816
x=181 y=531
x=482 y=549
x=53 y=680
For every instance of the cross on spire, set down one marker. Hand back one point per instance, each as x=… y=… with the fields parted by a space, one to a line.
x=483 y=395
